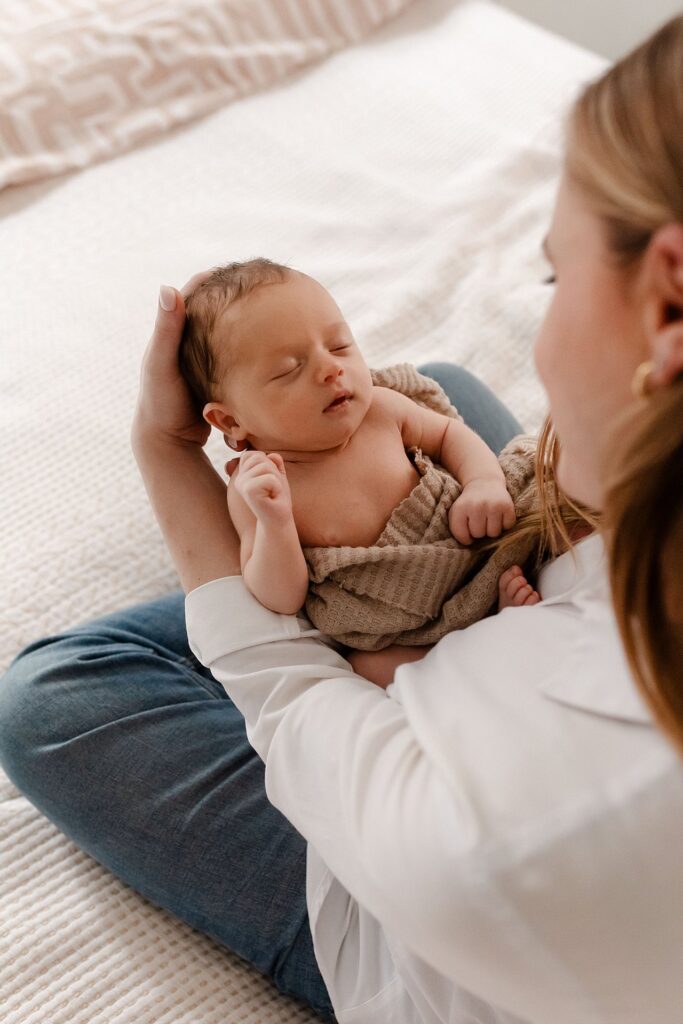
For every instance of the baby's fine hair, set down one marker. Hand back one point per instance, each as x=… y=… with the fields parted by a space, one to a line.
x=203 y=359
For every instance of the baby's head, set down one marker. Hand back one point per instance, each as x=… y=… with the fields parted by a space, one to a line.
x=265 y=350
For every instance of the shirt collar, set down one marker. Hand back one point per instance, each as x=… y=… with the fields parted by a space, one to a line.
x=596 y=677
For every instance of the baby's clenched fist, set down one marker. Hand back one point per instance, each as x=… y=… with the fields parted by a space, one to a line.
x=484 y=508
x=262 y=483
x=514 y=591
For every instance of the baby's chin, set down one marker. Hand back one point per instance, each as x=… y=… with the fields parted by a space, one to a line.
x=335 y=430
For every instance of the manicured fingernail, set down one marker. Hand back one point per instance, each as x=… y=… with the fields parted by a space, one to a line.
x=167 y=298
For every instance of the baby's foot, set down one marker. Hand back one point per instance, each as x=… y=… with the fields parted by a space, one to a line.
x=514 y=591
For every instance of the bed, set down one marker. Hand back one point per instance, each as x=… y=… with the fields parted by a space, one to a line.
x=412 y=170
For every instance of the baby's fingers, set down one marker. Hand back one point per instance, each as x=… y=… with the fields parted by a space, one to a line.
x=255 y=464
x=458 y=523
x=509 y=517
x=263 y=486
x=500 y=519
x=276 y=458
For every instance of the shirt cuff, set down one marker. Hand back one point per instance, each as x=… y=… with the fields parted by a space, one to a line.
x=223 y=616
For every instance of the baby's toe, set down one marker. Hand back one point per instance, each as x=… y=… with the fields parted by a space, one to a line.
x=509 y=575
x=521 y=590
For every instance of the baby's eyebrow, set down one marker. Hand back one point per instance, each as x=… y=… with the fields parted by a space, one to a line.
x=546 y=249
x=285 y=350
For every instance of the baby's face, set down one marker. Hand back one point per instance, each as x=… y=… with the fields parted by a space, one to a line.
x=292 y=354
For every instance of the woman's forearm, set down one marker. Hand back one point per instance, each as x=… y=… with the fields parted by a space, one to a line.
x=188 y=498
x=276 y=572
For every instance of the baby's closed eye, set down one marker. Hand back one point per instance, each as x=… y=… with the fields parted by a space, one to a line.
x=286 y=373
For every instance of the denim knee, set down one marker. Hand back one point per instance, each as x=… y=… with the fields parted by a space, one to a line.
x=23 y=714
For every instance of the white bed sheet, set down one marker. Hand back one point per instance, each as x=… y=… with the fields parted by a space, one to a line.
x=414 y=176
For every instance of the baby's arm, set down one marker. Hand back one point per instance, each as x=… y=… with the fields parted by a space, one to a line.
x=485 y=506
x=260 y=506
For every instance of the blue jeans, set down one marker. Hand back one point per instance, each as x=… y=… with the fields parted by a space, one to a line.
x=117 y=734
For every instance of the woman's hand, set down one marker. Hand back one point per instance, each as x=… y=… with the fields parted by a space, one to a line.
x=165 y=407
x=167 y=437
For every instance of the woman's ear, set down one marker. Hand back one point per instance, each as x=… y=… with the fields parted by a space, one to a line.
x=217 y=415
x=663 y=303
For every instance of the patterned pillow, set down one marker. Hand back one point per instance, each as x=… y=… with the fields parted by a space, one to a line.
x=85 y=79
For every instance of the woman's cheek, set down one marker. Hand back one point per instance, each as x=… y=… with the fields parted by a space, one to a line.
x=551 y=349
x=540 y=350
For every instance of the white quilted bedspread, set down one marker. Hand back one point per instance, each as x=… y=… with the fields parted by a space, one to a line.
x=412 y=174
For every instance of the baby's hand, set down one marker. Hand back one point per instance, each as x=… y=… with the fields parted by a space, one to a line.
x=484 y=509
x=262 y=483
x=514 y=591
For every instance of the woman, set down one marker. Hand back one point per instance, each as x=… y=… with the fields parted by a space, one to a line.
x=497 y=835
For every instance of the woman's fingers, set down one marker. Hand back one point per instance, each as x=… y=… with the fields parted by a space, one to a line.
x=168 y=327
x=161 y=356
x=165 y=406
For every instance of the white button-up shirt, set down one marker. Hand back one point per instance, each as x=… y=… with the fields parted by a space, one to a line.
x=498 y=836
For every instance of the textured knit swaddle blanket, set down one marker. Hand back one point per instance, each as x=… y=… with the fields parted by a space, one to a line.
x=417 y=582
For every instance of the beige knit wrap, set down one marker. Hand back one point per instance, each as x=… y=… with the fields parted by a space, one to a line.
x=417 y=582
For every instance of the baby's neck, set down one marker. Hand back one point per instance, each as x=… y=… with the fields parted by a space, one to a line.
x=294 y=456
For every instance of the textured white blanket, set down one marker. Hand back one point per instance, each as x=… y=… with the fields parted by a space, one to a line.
x=413 y=175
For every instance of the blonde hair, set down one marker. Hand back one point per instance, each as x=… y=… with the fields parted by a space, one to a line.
x=551 y=524
x=625 y=152
x=203 y=357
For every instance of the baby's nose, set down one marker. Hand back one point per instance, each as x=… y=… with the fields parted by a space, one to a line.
x=331 y=370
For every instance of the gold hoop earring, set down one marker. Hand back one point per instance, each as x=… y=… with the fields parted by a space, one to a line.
x=641 y=385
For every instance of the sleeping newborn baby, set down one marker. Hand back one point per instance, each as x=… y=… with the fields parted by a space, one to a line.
x=273 y=365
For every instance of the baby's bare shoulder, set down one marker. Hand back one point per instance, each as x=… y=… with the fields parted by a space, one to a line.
x=391 y=404
x=418 y=426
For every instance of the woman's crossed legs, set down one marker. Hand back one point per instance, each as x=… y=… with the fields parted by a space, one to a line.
x=118 y=735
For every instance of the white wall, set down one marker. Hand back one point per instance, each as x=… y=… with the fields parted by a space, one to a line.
x=609 y=27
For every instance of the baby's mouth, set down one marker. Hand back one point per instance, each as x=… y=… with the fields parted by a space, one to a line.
x=343 y=399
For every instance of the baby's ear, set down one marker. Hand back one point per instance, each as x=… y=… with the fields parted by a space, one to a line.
x=215 y=414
